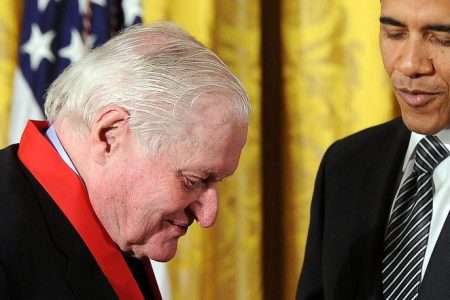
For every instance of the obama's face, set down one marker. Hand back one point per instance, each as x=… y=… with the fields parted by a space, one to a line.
x=415 y=45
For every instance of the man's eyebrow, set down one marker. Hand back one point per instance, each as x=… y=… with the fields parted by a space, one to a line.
x=432 y=27
x=211 y=175
x=438 y=27
x=391 y=21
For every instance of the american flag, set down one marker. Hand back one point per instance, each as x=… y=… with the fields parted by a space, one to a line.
x=54 y=34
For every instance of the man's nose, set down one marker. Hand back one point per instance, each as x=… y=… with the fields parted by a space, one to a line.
x=206 y=208
x=415 y=59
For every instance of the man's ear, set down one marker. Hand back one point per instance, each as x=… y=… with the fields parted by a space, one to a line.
x=108 y=132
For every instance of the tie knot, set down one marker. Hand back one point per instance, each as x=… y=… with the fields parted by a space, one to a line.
x=429 y=153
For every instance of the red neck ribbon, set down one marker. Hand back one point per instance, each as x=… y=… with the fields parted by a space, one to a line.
x=69 y=193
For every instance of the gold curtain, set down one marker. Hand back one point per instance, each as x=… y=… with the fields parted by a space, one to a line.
x=334 y=85
x=224 y=262
x=10 y=16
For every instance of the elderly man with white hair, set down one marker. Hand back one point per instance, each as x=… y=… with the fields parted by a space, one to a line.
x=139 y=133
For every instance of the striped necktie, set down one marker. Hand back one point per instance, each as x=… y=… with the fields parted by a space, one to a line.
x=407 y=232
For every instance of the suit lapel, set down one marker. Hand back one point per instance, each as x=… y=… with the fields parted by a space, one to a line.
x=436 y=282
x=379 y=173
x=80 y=264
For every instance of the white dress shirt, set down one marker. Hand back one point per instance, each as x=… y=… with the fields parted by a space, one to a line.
x=441 y=183
x=51 y=135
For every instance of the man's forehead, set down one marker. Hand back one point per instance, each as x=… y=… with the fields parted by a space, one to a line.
x=412 y=5
x=415 y=12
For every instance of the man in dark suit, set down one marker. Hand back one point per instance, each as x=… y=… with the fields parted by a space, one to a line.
x=379 y=226
x=140 y=132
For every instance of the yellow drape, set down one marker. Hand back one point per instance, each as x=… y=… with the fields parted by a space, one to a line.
x=10 y=16
x=196 y=16
x=224 y=262
x=334 y=85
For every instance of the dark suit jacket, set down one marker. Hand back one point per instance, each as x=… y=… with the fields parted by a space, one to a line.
x=354 y=190
x=41 y=254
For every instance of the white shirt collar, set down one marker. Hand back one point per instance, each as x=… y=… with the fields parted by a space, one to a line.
x=443 y=135
x=51 y=135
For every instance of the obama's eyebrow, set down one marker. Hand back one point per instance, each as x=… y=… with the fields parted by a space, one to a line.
x=391 y=21
x=438 y=27
x=429 y=27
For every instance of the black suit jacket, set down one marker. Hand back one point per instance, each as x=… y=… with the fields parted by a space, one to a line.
x=41 y=254
x=354 y=190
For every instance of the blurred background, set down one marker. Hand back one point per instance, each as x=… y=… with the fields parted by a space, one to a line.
x=314 y=74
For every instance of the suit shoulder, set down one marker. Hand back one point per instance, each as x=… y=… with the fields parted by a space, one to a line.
x=392 y=128
x=12 y=175
x=13 y=183
x=375 y=139
x=18 y=207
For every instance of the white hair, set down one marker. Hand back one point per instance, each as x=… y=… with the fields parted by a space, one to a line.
x=153 y=71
